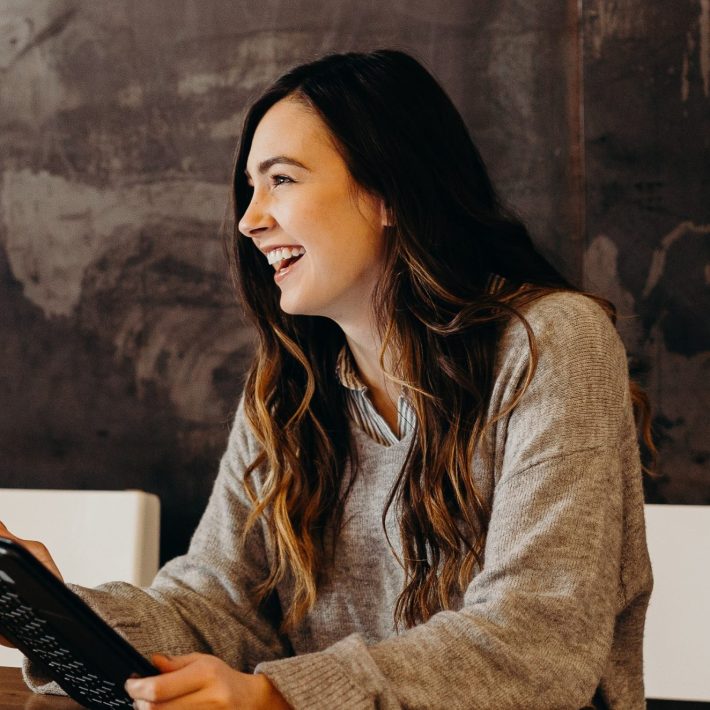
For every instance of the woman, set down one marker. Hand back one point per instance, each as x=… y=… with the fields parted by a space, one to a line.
x=431 y=495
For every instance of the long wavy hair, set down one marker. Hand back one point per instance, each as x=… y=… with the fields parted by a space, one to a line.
x=402 y=140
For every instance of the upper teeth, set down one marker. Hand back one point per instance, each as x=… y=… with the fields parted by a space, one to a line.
x=284 y=253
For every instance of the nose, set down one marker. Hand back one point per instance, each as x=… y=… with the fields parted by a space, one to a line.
x=257 y=218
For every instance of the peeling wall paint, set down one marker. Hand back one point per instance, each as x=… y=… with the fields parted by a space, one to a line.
x=601 y=270
x=648 y=216
x=55 y=227
x=658 y=262
x=614 y=20
x=704 y=45
x=123 y=349
x=696 y=57
x=123 y=352
x=668 y=336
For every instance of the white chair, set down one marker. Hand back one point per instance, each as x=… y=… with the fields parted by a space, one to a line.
x=677 y=636
x=93 y=536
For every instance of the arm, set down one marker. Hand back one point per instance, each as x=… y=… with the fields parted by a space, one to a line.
x=537 y=623
x=200 y=601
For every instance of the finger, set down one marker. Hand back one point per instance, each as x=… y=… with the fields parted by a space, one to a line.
x=6 y=532
x=35 y=548
x=192 y=675
x=173 y=663
x=162 y=662
x=200 y=700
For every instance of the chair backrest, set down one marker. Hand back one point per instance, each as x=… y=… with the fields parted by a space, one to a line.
x=93 y=536
x=677 y=635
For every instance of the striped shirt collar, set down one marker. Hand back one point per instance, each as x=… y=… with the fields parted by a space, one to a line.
x=362 y=411
x=345 y=370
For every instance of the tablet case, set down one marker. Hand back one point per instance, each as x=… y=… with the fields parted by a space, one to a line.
x=54 y=628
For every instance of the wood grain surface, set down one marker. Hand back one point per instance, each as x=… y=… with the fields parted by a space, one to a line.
x=15 y=695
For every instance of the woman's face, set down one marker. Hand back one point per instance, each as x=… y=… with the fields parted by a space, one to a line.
x=305 y=199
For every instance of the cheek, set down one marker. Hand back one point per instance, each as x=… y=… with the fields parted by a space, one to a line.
x=308 y=224
x=340 y=239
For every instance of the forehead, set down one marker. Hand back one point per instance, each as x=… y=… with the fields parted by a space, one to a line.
x=290 y=128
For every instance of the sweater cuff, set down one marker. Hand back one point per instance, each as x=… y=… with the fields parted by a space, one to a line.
x=36 y=680
x=314 y=681
x=344 y=675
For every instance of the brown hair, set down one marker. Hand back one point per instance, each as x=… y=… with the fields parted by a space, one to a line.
x=404 y=141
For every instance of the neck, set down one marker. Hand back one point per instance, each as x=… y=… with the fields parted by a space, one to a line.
x=365 y=345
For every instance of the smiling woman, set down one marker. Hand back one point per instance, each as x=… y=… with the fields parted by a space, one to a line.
x=431 y=495
x=298 y=207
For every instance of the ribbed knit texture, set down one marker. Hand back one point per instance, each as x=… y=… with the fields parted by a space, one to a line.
x=555 y=617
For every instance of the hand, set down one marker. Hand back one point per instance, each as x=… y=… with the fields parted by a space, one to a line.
x=40 y=552
x=200 y=681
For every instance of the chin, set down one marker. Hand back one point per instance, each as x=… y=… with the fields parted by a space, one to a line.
x=293 y=307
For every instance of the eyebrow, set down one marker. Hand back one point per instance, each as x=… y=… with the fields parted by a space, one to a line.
x=264 y=165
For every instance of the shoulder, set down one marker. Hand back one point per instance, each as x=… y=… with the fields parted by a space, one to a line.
x=565 y=314
x=576 y=396
x=579 y=356
x=565 y=325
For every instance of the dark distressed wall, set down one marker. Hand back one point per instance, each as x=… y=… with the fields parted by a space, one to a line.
x=121 y=351
x=647 y=131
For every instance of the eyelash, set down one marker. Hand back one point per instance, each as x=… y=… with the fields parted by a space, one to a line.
x=286 y=179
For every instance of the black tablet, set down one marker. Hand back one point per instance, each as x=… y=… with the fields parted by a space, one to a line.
x=54 y=628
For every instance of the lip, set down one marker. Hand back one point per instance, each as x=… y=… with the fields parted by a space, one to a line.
x=279 y=276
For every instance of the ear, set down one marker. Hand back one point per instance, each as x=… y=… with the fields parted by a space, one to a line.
x=386 y=217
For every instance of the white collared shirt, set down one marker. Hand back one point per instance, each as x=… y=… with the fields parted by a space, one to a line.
x=361 y=409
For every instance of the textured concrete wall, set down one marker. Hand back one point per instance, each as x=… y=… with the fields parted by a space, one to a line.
x=647 y=130
x=121 y=351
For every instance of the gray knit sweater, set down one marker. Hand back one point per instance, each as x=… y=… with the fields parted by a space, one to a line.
x=553 y=620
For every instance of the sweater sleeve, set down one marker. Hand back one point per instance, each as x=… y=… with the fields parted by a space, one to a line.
x=537 y=622
x=201 y=601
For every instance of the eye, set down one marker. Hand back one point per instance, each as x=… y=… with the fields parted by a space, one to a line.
x=277 y=180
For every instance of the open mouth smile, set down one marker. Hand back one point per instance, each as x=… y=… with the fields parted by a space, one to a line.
x=282 y=257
